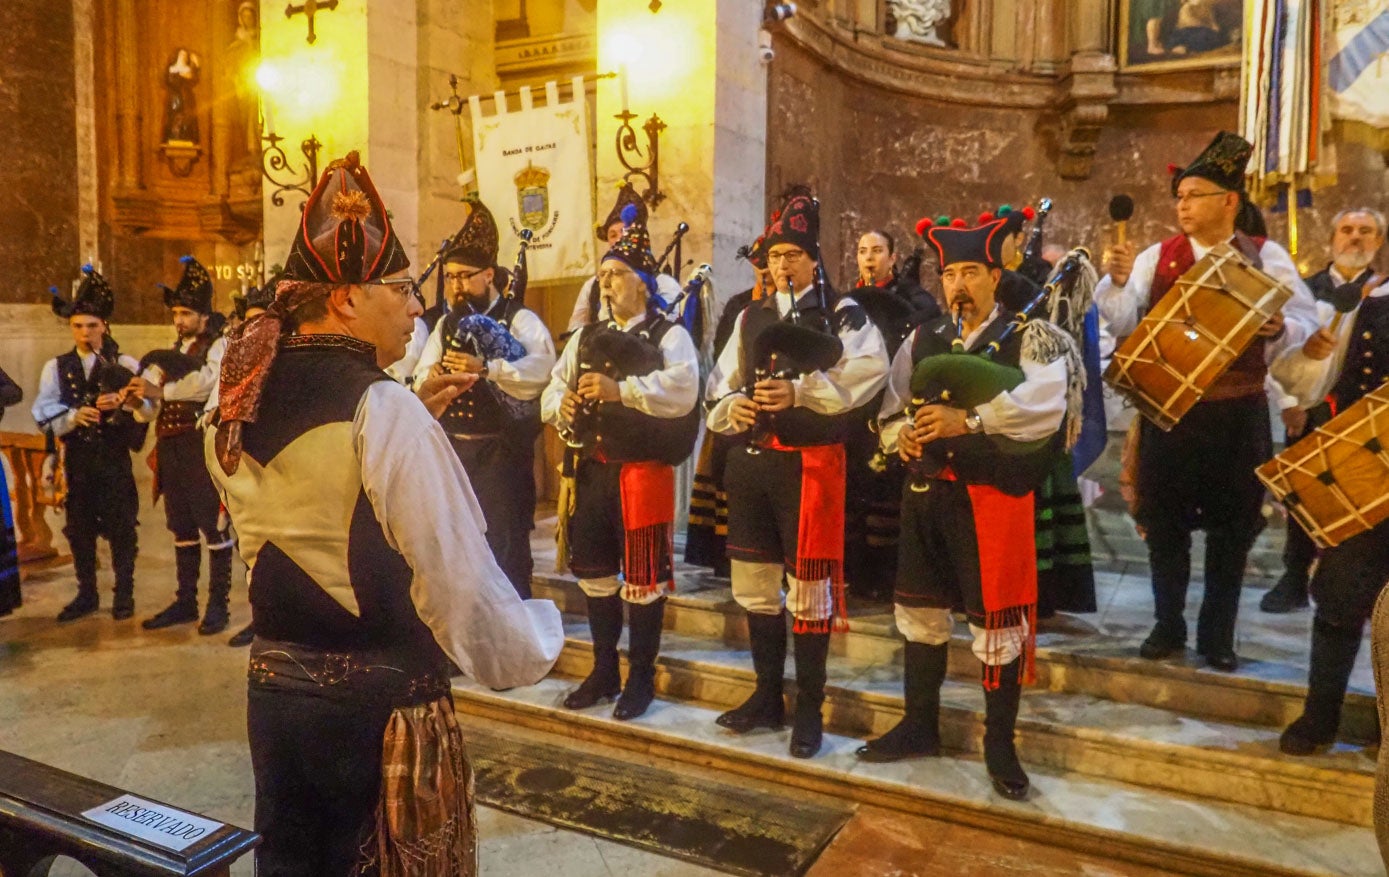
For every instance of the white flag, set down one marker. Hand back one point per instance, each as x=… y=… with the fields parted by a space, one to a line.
x=533 y=172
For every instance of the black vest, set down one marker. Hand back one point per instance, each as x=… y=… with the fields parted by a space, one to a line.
x=479 y=411
x=317 y=381
x=1367 y=357
x=177 y=418
x=616 y=433
x=798 y=427
x=977 y=459
x=117 y=431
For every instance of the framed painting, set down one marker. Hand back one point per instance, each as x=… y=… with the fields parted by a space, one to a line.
x=1173 y=34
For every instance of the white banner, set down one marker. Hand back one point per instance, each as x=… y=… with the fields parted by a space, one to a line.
x=1358 y=69
x=533 y=172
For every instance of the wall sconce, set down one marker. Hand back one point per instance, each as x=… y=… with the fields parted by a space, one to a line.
x=273 y=161
x=627 y=146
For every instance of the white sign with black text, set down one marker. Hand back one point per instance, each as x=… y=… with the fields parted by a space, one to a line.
x=158 y=824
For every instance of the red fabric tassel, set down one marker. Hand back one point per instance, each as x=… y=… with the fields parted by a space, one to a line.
x=820 y=538
x=1005 y=529
x=648 y=522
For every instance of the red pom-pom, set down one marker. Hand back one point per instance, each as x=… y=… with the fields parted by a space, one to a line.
x=957 y=222
x=922 y=225
x=1173 y=169
x=1029 y=214
x=985 y=218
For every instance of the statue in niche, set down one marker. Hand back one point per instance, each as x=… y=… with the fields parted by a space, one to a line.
x=918 y=21
x=181 y=111
x=243 y=57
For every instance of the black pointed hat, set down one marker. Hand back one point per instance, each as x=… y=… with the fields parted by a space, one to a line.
x=345 y=234
x=1222 y=162
x=194 y=289
x=982 y=244
x=625 y=195
x=94 y=297
x=797 y=223
x=477 y=241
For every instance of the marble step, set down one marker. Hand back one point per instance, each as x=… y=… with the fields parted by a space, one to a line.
x=1268 y=692
x=1174 y=833
x=1131 y=743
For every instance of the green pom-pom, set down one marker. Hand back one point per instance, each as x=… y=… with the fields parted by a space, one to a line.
x=943 y=219
x=1005 y=210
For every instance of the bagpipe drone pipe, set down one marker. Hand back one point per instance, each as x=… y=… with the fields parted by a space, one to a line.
x=966 y=380
x=618 y=432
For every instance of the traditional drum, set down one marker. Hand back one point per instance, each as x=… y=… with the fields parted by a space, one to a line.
x=1336 y=480
x=1191 y=337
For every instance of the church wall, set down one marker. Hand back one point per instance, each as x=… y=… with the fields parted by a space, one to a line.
x=882 y=159
x=38 y=192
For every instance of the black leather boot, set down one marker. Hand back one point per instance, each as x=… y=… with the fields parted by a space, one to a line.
x=85 y=603
x=243 y=637
x=918 y=734
x=807 y=730
x=644 y=622
x=1000 y=719
x=1333 y=657
x=766 y=708
x=215 y=618
x=187 y=564
x=123 y=551
x=604 y=682
x=83 y=545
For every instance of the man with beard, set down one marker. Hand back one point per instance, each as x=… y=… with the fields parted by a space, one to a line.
x=368 y=568
x=1356 y=237
x=191 y=505
x=86 y=402
x=1200 y=474
x=494 y=423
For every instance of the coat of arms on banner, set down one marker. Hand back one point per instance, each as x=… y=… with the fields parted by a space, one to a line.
x=533 y=196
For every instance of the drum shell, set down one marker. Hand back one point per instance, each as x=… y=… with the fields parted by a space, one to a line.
x=1193 y=335
x=1334 y=480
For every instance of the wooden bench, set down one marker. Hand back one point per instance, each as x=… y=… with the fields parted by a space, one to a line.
x=41 y=818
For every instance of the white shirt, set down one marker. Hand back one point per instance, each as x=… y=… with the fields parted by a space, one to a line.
x=1030 y=411
x=198 y=385
x=1123 y=306
x=668 y=392
x=523 y=379
x=667 y=289
x=50 y=412
x=860 y=372
x=402 y=371
x=427 y=509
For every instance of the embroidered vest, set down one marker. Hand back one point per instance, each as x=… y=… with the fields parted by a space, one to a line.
x=181 y=417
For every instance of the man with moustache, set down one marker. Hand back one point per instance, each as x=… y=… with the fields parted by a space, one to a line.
x=1356 y=237
x=493 y=424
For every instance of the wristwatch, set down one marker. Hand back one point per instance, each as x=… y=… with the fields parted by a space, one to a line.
x=973 y=422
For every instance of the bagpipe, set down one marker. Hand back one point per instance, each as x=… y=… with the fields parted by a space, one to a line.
x=693 y=308
x=488 y=335
x=618 y=432
x=967 y=379
x=783 y=351
x=109 y=376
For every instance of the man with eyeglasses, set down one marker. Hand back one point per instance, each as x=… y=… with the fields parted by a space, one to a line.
x=494 y=422
x=786 y=496
x=1200 y=474
x=368 y=566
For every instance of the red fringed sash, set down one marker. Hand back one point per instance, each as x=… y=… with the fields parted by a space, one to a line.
x=1004 y=528
x=648 y=522
x=820 y=537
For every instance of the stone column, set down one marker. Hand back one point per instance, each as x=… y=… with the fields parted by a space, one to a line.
x=696 y=65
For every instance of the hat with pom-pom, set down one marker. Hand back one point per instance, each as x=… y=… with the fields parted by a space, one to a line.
x=954 y=242
x=476 y=243
x=634 y=247
x=194 y=289
x=626 y=195
x=94 y=297
x=345 y=234
x=1222 y=162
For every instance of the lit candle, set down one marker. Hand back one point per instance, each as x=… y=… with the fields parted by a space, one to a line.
x=622 y=80
x=267 y=120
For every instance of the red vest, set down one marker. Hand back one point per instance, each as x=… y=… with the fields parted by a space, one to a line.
x=1245 y=377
